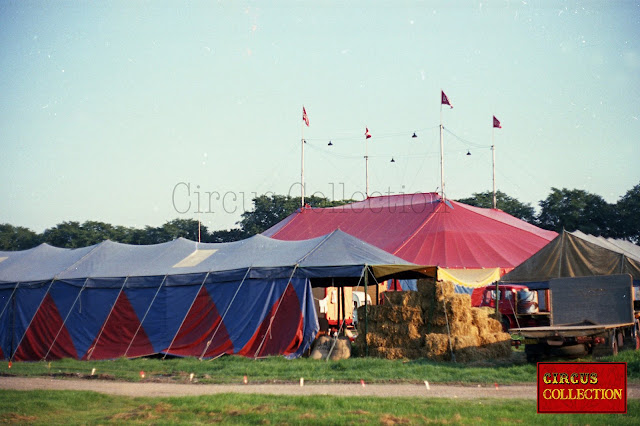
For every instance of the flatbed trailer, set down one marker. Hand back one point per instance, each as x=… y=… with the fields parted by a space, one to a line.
x=588 y=315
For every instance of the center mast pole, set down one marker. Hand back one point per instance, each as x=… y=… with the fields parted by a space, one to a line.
x=305 y=120
x=441 y=158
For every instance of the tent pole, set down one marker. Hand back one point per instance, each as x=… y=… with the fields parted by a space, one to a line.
x=442 y=194
x=366 y=309
x=302 y=164
x=493 y=156
x=344 y=311
x=333 y=284
x=366 y=167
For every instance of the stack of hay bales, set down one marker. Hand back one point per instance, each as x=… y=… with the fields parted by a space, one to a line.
x=429 y=322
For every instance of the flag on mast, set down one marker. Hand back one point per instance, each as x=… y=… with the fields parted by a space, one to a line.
x=496 y=123
x=444 y=99
x=305 y=117
x=367 y=134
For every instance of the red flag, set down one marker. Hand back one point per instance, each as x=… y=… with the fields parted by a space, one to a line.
x=496 y=123
x=444 y=99
x=305 y=117
x=367 y=134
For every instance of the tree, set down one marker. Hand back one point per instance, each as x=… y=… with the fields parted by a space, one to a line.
x=504 y=202
x=576 y=209
x=628 y=216
x=269 y=210
x=17 y=237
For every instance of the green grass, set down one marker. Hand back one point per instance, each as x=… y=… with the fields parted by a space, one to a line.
x=231 y=369
x=71 y=407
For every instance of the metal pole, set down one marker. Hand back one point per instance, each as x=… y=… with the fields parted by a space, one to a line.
x=493 y=155
x=366 y=308
x=441 y=158
x=366 y=167
x=302 y=169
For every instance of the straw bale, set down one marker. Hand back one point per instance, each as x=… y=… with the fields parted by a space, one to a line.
x=436 y=346
x=442 y=289
x=402 y=329
x=488 y=337
x=394 y=353
x=461 y=342
x=460 y=305
x=402 y=298
x=386 y=313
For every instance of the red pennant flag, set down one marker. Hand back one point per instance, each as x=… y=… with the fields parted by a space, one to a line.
x=367 y=134
x=444 y=99
x=305 y=117
x=496 y=123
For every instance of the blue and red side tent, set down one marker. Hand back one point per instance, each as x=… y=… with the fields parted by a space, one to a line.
x=251 y=298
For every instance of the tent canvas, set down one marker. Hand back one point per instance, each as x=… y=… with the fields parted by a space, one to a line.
x=251 y=297
x=423 y=229
x=575 y=254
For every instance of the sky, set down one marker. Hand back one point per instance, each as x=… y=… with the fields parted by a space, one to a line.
x=135 y=113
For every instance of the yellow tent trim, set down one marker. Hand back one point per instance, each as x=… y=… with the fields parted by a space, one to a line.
x=469 y=277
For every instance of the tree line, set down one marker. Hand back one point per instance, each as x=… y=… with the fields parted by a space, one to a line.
x=568 y=209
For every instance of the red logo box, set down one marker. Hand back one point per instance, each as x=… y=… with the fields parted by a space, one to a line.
x=582 y=387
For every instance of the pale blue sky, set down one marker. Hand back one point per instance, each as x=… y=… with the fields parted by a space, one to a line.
x=108 y=110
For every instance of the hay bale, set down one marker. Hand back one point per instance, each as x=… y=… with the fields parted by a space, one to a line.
x=441 y=289
x=436 y=346
x=402 y=298
x=384 y=313
x=462 y=342
x=394 y=353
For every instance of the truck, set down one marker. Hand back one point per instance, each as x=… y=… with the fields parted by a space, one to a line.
x=518 y=305
x=587 y=315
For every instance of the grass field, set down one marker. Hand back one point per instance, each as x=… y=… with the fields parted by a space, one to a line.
x=231 y=369
x=73 y=407
x=70 y=407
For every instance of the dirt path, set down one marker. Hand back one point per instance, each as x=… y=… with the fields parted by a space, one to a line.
x=152 y=389
x=173 y=389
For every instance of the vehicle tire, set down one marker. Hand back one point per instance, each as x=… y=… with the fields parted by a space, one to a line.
x=613 y=343
x=533 y=353
x=573 y=351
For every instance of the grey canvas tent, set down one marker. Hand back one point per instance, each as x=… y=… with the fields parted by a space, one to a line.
x=575 y=254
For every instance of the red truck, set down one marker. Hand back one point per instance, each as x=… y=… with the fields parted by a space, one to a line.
x=519 y=306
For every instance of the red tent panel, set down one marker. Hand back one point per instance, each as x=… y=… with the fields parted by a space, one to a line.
x=45 y=328
x=282 y=328
x=118 y=331
x=202 y=321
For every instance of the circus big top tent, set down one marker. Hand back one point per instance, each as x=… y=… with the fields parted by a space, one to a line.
x=471 y=246
x=251 y=297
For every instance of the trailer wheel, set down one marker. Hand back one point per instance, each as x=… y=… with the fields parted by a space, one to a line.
x=613 y=343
